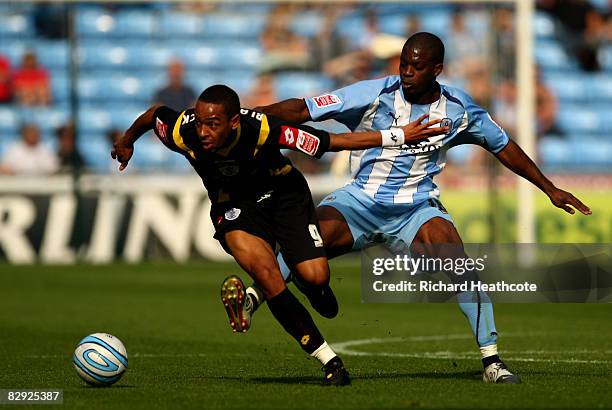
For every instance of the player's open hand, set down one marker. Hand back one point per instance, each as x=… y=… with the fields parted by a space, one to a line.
x=562 y=199
x=122 y=152
x=418 y=130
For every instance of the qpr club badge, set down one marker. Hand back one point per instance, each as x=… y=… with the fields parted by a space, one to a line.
x=232 y=214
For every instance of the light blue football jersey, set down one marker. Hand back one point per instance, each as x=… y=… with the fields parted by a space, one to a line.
x=404 y=175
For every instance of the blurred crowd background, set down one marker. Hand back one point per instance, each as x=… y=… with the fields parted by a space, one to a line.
x=73 y=77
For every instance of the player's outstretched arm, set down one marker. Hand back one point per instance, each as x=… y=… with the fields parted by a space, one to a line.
x=411 y=133
x=293 y=110
x=123 y=148
x=515 y=159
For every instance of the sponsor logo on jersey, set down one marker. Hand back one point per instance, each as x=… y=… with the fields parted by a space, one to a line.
x=219 y=220
x=422 y=147
x=326 y=100
x=162 y=130
x=288 y=136
x=307 y=143
x=232 y=214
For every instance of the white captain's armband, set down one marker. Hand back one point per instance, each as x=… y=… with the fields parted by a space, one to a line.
x=393 y=137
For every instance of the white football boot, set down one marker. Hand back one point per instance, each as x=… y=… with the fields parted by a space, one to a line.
x=499 y=373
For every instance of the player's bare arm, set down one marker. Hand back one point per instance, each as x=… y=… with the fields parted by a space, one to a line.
x=515 y=159
x=413 y=132
x=123 y=148
x=292 y=110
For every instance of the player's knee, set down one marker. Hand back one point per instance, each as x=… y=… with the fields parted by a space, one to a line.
x=315 y=274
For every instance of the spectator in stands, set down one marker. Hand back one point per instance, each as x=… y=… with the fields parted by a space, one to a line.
x=31 y=82
x=582 y=30
x=70 y=159
x=283 y=48
x=6 y=87
x=175 y=94
x=262 y=93
x=28 y=156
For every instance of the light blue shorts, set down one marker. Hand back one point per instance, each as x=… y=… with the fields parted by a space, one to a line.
x=373 y=222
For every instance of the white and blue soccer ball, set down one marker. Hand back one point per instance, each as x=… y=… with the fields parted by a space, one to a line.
x=100 y=359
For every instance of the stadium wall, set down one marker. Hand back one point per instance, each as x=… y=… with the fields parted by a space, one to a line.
x=135 y=218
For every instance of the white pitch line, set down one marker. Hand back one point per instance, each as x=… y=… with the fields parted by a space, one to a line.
x=345 y=348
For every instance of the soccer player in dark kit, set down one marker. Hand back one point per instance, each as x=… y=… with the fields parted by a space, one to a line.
x=259 y=200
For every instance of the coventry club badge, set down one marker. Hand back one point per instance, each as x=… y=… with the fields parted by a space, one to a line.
x=447 y=122
x=232 y=214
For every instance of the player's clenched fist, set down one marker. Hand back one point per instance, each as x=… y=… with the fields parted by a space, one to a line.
x=122 y=151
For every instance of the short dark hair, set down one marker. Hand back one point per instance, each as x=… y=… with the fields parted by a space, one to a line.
x=428 y=42
x=222 y=94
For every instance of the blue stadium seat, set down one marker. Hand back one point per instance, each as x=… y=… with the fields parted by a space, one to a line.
x=48 y=119
x=225 y=26
x=10 y=121
x=393 y=24
x=592 y=153
x=605 y=57
x=307 y=24
x=109 y=55
x=60 y=86
x=291 y=85
x=127 y=89
x=13 y=50
x=18 y=26
x=124 y=115
x=574 y=118
x=93 y=120
x=52 y=54
x=550 y=54
x=555 y=152
x=437 y=22
x=95 y=22
x=568 y=86
x=600 y=88
x=152 y=155
x=543 y=25
x=158 y=56
x=95 y=149
x=135 y=23
x=177 y=24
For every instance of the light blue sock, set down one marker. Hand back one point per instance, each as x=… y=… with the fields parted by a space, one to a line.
x=480 y=316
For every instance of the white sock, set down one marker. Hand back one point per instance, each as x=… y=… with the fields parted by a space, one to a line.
x=324 y=353
x=487 y=351
x=256 y=295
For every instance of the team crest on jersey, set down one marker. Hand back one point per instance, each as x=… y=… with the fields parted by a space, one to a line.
x=326 y=100
x=447 y=122
x=228 y=168
x=232 y=214
x=162 y=130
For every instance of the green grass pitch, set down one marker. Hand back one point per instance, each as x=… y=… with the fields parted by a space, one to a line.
x=183 y=354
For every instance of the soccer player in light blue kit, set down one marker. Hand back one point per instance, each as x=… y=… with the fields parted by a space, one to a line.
x=392 y=194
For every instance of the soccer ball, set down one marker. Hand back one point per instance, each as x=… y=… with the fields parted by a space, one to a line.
x=100 y=359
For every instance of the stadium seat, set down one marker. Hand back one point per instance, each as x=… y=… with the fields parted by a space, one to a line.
x=18 y=26
x=95 y=149
x=95 y=22
x=52 y=54
x=10 y=120
x=591 y=153
x=13 y=50
x=176 y=24
x=393 y=24
x=554 y=152
x=111 y=55
x=135 y=23
x=224 y=26
x=570 y=87
x=94 y=120
x=600 y=87
x=605 y=57
x=437 y=22
x=48 y=119
x=578 y=119
x=291 y=85
x=307 y=24
x=550 y=54
x=60 y=86
x=543 y=25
